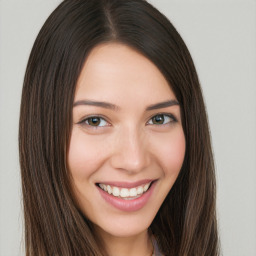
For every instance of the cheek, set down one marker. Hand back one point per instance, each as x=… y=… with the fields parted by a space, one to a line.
x=172 y=153
x=85 y=155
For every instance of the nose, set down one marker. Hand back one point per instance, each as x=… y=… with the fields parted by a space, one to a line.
x=130 y=151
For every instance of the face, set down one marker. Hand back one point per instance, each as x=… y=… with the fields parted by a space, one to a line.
x=127 y=143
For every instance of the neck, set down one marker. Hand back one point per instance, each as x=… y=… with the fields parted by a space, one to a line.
x=139 y=244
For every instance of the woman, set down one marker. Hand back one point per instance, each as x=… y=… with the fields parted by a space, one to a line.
x=114 y=143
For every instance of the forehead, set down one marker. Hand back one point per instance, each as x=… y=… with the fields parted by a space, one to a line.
x=115 y=72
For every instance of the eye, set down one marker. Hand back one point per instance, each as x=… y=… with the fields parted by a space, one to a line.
x=95 y=121
x=161 y=119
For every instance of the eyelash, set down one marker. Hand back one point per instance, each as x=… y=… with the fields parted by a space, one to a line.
x=100 y=118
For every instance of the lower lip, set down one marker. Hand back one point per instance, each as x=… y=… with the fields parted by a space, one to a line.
x=128 y=205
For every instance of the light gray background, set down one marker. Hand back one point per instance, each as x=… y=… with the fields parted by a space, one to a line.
x=221 y=36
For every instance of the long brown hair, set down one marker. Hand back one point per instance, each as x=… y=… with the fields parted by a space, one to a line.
x=54 y=225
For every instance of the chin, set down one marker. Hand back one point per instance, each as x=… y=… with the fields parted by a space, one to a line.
x=125 y=226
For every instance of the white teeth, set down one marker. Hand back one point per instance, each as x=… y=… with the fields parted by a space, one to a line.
x=125 y=193
x=109 y=189
x=116 y=191
x=133 y=192
x=140 y=190
x=145 y=188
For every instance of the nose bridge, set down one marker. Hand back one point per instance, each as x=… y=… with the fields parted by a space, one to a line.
x=131 y=153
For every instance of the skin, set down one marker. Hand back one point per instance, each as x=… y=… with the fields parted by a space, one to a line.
x=126 y=145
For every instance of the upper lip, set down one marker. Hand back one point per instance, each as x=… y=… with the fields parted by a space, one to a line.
x=125 y=184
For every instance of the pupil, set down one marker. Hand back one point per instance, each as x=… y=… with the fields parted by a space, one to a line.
x=94 y=121
x=159 y=119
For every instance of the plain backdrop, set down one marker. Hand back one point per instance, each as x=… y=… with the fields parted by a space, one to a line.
x=221 y=36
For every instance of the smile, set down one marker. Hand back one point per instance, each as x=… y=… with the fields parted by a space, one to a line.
x=125 y=193
x=127 y=197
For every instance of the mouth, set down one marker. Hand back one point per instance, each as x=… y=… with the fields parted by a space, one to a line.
x=125 y=193
x=128 y=197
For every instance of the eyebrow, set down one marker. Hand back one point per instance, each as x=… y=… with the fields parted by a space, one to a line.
x=111 y=106
x=163 y=104
x=101 y=104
